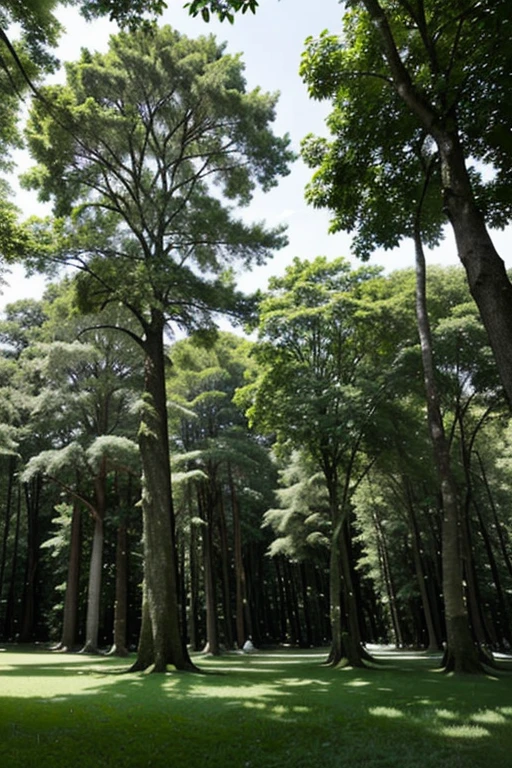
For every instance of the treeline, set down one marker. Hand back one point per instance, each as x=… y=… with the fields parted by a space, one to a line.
x=306 y=499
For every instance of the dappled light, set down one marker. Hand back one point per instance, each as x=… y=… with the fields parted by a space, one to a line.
x=264 y=709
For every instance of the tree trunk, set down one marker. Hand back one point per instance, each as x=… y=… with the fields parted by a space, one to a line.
x=434 y=640
x=212 y=636
x=69 y=619
x=461 y=654
x=92 y=622
x=121 y=604
x=225 y=561
x=7 y=520
x=193 y=618
x=160 y=555
x=10 y=613
x=240 y=585
x=486 y=273
x=30 y=601
x=485 y=270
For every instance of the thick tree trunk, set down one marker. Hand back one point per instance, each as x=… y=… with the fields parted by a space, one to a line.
x=487 y=277
x=160 y=555
x=485 y=270
x=69 y=619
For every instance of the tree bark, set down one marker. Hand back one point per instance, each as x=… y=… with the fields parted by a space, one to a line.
x=461 y=654
x=69 y=619
x=160 y=554
x=121 y=604
x=240 y=581
x=30 y=601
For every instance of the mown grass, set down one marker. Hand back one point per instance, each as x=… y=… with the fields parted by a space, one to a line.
x=268 y=710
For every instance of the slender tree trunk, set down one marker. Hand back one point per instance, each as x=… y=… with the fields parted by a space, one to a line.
x=461 y=654
x=121 y=604
x=504 y=552
x=240 y=583
x=69 y=619
x=193 y=619
x=30 y=602
x=10 y=612
x=160 y=555
x=212 y=636
x=388 y=580
x=502 y=597
x=434 y=640
x=7 y=519
x=225 y=560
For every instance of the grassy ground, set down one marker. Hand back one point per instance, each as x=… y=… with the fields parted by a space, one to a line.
x=279 y=709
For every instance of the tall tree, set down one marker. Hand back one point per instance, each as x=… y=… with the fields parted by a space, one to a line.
x=432 y=58
x=146 y=136
x=318 y=391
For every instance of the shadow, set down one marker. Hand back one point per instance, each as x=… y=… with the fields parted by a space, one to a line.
x=275 y=709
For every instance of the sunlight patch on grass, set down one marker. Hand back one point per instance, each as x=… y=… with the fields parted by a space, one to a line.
x=357 y=683
x=446 y=714
x=488 y=716
x=465 y=731
x=391 y=712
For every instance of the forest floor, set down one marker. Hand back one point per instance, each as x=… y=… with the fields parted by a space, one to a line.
x=271 y=709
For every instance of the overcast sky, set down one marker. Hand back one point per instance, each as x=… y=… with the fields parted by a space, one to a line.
x=271 y=43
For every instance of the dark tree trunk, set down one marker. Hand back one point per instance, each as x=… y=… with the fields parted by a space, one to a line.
x=10 y=613
x=28 y=621
x=7 y=519
x=434 y=639
x=226 y=590
x=193 y=619
x=388 y=579
x=161 y=642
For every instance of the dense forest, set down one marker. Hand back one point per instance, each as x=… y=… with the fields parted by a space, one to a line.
x=334 y=471
x=336 y=371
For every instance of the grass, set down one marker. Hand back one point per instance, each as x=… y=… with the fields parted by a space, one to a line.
x=279 y=709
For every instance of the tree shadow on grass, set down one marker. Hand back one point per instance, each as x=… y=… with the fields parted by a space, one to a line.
x=267 y=710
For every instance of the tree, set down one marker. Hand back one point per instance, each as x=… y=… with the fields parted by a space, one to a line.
x=318 y=391
x=433 y=58
x=153 y=139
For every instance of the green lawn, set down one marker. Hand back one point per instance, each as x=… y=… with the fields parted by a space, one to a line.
x=279 y=709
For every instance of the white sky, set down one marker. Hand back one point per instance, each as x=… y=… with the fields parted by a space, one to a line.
x=271 y=42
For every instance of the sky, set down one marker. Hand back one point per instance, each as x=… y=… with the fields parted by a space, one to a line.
x=271 y=43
